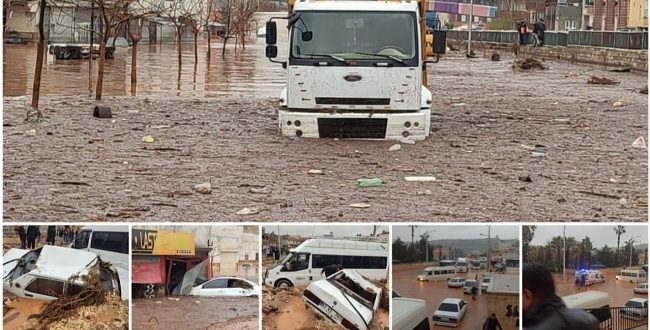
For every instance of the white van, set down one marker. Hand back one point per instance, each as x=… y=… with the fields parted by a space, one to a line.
x=437 y=273
x=595 y=302
x=109 y=242
x=305 y=263
x=410 y=314
x=462 y=265
x=631 y=275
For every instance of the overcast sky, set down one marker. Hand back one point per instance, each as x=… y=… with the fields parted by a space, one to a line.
x=319 y=230
x=456 y=232
x=599 y=235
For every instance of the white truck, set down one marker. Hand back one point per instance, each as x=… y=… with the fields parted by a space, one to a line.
x=462 y=265
x=355 y=69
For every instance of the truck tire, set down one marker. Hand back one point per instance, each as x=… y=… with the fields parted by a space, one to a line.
x=283 y=284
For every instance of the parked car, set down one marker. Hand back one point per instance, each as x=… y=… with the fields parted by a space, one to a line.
x=346 y=298
x=45 y=273
x=456 y=282
x=227 y=287
x=119 y=42
x=636 y=309
x=450 y=312
x=410 y=314
x=468 y=285
x=641 y=288
x=485 y=283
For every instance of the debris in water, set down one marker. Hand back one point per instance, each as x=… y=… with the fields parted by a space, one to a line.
x=247 y=211
x=203 y=188
x=529 y=64
x=639 y=143
x=360 y=205
x=622 y=69
x=147 y=139
x=395 y=147
x=601 y=81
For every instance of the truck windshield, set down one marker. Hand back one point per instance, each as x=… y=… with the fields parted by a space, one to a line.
x=356 y=35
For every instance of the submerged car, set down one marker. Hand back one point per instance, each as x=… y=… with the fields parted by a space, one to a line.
x=450 y=312
x=641 y=288
x=456 y=282
x=346 y=298
x=635 y=309
x=50 y=271
x=227 y=286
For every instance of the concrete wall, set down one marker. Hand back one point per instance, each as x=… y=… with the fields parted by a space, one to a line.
x=497 y=304
x=638 y=13
x=634 y=59
x=19 y=20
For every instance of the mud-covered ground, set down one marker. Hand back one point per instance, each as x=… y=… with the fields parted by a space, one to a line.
x=491 y=125
x=196 y=313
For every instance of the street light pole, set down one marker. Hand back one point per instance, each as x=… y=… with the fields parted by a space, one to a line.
x=631 y=242
x=564 y=254
x=427 y=245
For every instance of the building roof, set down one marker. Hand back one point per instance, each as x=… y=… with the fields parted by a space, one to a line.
x=504 y=283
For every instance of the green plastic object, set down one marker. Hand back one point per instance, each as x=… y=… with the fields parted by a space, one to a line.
x=369 y=182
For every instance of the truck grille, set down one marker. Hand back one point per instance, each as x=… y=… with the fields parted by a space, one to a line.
x=352 y=101
x=352 y=128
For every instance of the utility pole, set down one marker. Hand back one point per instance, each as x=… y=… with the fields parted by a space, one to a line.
x=564 y=254
x=469 y=28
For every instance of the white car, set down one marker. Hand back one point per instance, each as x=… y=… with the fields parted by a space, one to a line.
x=45 y=273
x=450 y=312
x=485 y=283
x=227 y=287
x=635 y=309
x=346 y=298
x=456 y=282
x=468 y=285
x=641 y=288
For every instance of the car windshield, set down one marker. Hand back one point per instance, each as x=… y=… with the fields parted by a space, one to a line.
x=355 y=35
x=632 y=303
x=486 y=280
x=469 y=283
x=447 y=307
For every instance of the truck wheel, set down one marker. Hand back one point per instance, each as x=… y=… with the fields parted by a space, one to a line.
x=283 y=284
x=150 y=291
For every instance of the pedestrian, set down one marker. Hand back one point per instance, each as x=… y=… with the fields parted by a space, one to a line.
x=331 y=269
x=577 y=282
x=522 y=28
x=51 y=235
x=22 y=234
x=491 y=323
x=38 y=234
x=539 y=28
x=543 y=309
x=31 y=237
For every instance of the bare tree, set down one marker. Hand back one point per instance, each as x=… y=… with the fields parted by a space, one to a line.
x=135 y=37
x=179 y=14
x=40 y=53
x=198 y=19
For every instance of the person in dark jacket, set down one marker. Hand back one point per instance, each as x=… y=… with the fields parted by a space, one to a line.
x=51 y=235
x=539 y=28
x=22 y=234
x=331 y=269
x=544 y=309
x=32 y=232
x=522 y=28
x=492 y=323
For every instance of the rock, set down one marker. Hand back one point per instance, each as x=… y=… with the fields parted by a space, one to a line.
x=31 y=132
x=426 y=192
x=203 y=188
x=395 y=147
x=259 y=191
x=247 y=211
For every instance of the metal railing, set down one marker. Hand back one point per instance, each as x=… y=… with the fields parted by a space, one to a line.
x=609 y=39
x=621 y=318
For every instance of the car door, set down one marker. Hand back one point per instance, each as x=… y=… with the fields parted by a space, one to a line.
x=234 y=289
x=462 y=310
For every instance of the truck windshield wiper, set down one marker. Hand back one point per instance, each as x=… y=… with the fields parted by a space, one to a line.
x=340 y=59
x=383 y=55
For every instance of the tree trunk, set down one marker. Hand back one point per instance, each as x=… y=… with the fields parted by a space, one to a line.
x=100 y=68
x=134 y=67
x=40 y=53
x=179 y=40
x=223 y=49
x=196 y=45
x=209 y=42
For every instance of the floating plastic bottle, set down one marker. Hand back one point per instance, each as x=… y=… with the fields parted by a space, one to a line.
x=369 y=182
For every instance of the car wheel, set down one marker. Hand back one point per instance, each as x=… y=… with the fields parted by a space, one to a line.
x=283 y=284
x=150 y=291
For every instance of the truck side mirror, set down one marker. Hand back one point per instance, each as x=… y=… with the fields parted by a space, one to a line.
x=271 y=33
x=271 y=51
x=439 y=41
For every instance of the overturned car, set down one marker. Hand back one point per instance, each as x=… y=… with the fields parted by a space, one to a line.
x=51 y=271
x=346 y=298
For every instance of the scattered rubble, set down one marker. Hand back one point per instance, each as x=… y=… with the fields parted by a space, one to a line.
x=601 y=81
x=529 y=64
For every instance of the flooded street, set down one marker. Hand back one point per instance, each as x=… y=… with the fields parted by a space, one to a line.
x=188 y=312
x=490 y=126
x=619 y=291
x=434 y=292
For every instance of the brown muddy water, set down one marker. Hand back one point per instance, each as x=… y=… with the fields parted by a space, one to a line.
x=407 y=285
x=490 y=125
x=20 y=310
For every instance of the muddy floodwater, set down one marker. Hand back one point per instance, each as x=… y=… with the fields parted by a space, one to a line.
x=190 y=312
x=407 y=285
x=504 y=146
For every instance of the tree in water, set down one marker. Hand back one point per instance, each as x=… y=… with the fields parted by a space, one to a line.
x=40 y=53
